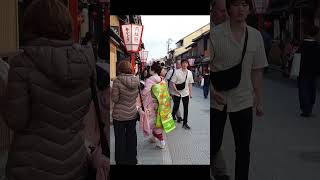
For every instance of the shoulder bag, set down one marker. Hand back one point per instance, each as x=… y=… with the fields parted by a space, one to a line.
x=230 y=78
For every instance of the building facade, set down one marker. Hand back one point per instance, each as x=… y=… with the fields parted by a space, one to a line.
x=183 y=45
x=117 y=46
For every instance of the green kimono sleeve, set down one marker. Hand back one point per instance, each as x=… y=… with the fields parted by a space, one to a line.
x=164 y=117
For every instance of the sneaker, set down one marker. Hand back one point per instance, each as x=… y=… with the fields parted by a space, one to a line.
x=186 y=126
x=179 y=119
x=223 y=177
x=161 y=144
x=152 y=140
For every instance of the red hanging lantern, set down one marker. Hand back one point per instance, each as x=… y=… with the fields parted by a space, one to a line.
x=131 y=34
x=143 y=57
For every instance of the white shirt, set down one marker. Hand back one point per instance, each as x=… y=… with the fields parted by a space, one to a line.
x=179 y=77
x=225 y=53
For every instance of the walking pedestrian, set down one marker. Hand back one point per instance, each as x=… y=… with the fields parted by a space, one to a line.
x=5 y=132
x=48 y=95
x=124 y=93
x=168 y=77
x=151 y=105
x=182 y=85
x=238 y=52
x=206 y=84
x=218 y=15
x=309 y=70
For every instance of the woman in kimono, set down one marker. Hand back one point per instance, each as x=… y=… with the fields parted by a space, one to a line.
x=151 y=104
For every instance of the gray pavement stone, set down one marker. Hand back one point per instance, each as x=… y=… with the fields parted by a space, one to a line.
x=193 y=146
x=284 y=146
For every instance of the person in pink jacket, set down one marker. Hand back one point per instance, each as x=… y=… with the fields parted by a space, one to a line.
x=151 y=104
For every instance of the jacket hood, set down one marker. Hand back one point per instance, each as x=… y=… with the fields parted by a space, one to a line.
x=130 y=81
x=61 y=61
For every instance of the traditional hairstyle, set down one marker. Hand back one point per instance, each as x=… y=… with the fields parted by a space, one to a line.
x=156 y=67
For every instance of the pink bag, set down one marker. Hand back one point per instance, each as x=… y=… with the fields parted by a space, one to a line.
x=96 y=138
x=144 y=122
x=92 y=137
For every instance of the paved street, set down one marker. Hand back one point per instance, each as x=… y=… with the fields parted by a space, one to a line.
x=284 y=145
x=182 y=146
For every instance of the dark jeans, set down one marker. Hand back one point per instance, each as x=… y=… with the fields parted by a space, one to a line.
x=176 y=104
x=125 y=142
x=307 y=93
x=241 y=123
x=206 y=90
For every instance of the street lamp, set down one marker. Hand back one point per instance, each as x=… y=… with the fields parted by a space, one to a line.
x=131 y=34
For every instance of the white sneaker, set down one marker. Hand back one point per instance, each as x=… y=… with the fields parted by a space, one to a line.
x=161 y=144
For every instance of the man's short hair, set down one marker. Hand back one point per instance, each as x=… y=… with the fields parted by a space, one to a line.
x=184 y=60
x=229 y=2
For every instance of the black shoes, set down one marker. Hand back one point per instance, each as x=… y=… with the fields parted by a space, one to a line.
x=179 y=120
x=305 y=115
x=186 y=126
x=223 y=177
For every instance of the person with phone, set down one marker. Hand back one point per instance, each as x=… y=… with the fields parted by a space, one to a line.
x=182 y=85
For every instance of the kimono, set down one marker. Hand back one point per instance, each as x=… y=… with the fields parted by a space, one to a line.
x=164 y=117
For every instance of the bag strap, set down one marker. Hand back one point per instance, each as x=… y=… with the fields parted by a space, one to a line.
x=186 y=76
x=244 y=46
x=103 y=139
x=169 y=80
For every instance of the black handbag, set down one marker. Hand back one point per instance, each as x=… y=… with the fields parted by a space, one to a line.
x=229 y=78
x=181 y=86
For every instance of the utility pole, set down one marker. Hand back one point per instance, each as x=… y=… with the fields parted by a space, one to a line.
x=169 y=42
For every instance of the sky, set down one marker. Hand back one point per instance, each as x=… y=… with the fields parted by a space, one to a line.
x=158 y=29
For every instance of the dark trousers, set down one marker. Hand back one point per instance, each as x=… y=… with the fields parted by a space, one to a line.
x=241 y=123
x=206 y=90
x=176 y=104
x=125 y=142
x=307 y=93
